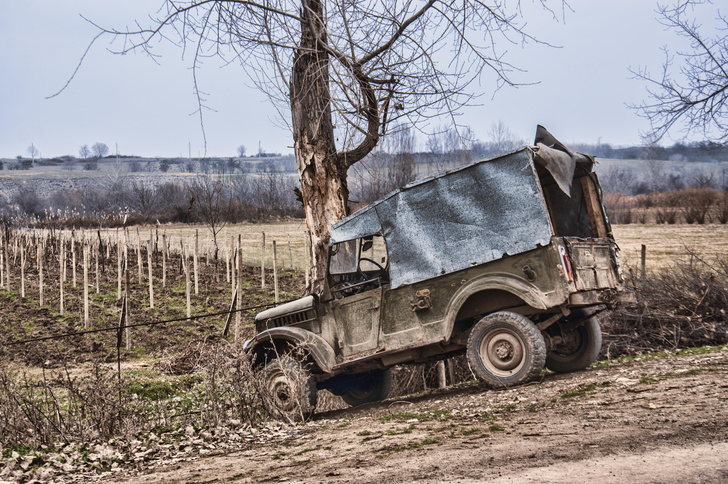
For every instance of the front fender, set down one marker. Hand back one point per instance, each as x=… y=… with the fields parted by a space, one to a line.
x=315 y=345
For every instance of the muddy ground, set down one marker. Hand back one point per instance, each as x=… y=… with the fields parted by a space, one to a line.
x=647 y=420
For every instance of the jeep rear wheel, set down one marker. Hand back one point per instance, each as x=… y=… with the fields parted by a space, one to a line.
x=372 y=387
x=505 y=349
x=578 y=347
x=288 y=389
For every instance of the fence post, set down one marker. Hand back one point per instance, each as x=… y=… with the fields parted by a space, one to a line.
x=239 y=291
x=22 y=269
x=85 y=248
x=73 y=257
x=195 y=263
x=118 y=264
x=41 y=256
x=151 y=282
x=62 y=269
x=164 y=260
x=262 y=261
x=126 y=303
x=140 y=264
x=643 y=260
x=275 y=271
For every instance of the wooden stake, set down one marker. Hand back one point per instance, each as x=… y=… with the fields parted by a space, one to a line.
x=290 y=251
x=151 y=282
x=164 y=260
x=275 y=271
x=127 y=319
x=41 y=256
x=188 y=283
x=195 y=257
x=62 y=262
x=239 y=291
x=262 y=261
x=140 y=264
x=97 y=249
x=118 y=265
x=73 y=258
x=22 y=269
x=85 y=248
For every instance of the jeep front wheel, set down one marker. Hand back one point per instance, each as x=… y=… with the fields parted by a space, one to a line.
x=372 y=387
x=505 y=349
x=288 y=389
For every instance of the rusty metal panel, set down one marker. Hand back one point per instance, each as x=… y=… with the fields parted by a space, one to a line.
x=592 y=264
x=456 y=220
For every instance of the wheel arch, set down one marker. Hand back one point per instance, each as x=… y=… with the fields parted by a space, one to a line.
x=283 y=338
x=490 y=286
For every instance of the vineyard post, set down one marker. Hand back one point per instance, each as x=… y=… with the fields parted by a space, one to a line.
x=188 y=283
x=2 y=260
x=73 y=257
x=164 y=260
x=140 y=264
x=127 y=319
x=194 y=261
x=239 y=292
x=290 y=251
x=97 y=248
x=41 y=255
x=118 y=265
x=62 y=269
x=151 y=282
x=262 y=261
x=22 y=269
x=275 y=271
x=85 y=249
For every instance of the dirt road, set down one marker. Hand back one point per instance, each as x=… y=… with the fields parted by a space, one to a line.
x=653 y=420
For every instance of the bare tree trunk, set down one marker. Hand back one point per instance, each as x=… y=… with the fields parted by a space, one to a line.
x=323 y=181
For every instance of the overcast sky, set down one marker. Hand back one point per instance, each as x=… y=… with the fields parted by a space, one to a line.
x=144 y=107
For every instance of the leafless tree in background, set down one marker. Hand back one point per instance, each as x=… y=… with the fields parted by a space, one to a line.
x=84 y=151
x=346 y=70
x=691 y=92
x=241 y=151
x=99 y=150
x=212 y=202
x=33 y=152
x=503 y=139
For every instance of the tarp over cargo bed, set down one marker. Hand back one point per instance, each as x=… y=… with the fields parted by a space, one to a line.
x=449 y=222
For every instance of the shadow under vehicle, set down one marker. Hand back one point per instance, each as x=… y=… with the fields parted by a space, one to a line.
x=508 y=260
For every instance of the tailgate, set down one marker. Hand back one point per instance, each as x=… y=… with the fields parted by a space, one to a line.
x=592 y=263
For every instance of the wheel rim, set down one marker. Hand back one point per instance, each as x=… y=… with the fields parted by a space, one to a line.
x=572 y=344
x=503 y=352
x=282 y=392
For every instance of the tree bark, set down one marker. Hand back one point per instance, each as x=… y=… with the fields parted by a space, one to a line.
x=323 y=180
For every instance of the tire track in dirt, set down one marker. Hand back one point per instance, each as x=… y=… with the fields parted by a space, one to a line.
x=654 y=420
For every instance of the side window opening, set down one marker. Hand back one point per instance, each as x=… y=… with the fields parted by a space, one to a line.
x=358 y=265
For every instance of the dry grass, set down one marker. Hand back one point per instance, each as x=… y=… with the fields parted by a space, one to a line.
x=666 y=244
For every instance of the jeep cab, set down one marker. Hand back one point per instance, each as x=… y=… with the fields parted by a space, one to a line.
x=508 y=260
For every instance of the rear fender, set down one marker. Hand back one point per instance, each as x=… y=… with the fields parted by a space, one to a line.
x=517 y=286
x=313 y=344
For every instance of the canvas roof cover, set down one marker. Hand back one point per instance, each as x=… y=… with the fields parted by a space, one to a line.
x=456 y=220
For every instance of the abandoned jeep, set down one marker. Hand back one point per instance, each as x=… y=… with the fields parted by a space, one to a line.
x=508 y=260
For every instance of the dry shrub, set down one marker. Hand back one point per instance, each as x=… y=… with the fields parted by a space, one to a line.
x=37 y=410
x=685 y=305
x=696 y=203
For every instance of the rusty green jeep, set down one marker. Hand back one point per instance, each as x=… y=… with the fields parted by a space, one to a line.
x=508 y=260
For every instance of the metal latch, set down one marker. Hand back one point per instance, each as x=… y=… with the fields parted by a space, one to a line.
x=422 y=300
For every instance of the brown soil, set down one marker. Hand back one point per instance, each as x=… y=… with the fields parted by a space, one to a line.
x=650 y=420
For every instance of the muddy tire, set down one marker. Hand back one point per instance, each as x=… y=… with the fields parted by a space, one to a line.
x=373 y=387
x=580 y=348
x=505 y=349
x=288 y=389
